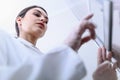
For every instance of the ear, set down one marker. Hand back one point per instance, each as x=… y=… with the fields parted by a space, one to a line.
x=19 y=21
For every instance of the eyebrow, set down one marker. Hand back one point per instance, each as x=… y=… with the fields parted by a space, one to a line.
x=41 y=13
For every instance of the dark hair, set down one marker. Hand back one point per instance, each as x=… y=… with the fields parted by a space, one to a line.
x=22 y=14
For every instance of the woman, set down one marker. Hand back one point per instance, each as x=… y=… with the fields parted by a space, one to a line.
x=21 y=59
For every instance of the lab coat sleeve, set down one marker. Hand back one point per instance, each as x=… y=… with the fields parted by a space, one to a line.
x=64 y=64
x=3 y=51
x=3 y=56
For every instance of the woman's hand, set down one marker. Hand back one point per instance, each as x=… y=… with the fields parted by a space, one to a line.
x=76 y=39
x=105 y=70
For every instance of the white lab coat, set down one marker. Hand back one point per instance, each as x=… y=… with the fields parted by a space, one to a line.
x=20 y=60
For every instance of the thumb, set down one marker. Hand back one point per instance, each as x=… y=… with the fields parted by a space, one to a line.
x=85 y=39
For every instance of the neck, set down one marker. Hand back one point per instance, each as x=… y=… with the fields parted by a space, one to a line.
x=29 y=38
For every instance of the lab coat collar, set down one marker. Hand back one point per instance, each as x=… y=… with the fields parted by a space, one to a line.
x=29 y=45
x=25 y=42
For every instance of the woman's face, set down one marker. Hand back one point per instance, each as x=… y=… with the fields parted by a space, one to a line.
x=34 y=23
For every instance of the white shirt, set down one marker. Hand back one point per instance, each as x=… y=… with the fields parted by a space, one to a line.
x=20 y=60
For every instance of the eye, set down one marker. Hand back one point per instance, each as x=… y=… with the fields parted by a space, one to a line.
x=37 y=14
x=46 y=21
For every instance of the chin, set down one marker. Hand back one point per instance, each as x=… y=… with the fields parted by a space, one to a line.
x=39 y=33
x=40 y=36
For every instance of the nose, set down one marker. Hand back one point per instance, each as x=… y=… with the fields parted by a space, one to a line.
x=42 y=18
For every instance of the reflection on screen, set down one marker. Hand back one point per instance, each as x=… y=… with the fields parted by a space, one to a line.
x=96 y=7
x=104 y=14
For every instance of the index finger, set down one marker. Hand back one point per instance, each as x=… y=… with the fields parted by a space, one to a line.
x=88 y=17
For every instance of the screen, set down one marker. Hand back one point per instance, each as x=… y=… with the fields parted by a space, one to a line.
x=108 y=23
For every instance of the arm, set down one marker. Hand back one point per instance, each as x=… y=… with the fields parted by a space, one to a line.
x=66 y=60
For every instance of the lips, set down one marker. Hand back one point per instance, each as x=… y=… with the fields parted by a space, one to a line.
x=41 y=25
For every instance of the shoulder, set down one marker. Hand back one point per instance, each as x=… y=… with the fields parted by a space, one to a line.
x=4 y=38
x=3 y=34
